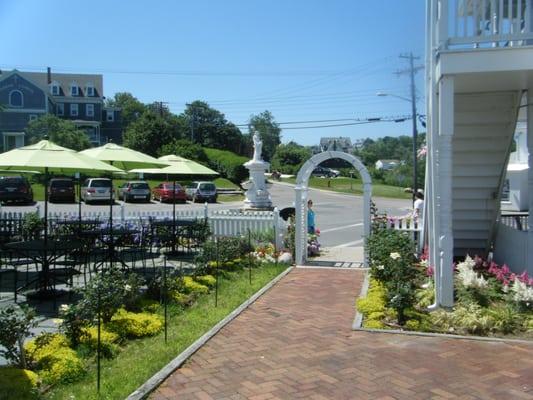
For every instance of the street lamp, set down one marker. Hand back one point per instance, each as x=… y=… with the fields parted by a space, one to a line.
x=411 y=100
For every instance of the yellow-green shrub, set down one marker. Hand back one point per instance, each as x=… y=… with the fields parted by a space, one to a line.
x=108 y=340
x=55 y=361
x=18 y=384
x=182 y=299
x=206 y=280
x=135 y=325
x=190 y=286
x=373 y=324
x=149 y=305
x=375 y=300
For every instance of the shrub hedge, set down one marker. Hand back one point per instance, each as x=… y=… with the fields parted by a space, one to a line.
x=227 y=164
x=18 y=384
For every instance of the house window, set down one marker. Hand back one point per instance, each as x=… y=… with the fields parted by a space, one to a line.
x=33 y=117
x=89 y=110
x=74 y=90
x=89 y=90
x=16 y=99
x=74 y=110
x=110 y=116
x=54 y=88
x=60 y=109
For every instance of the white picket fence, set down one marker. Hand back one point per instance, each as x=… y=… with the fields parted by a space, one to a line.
x=415 y=229
x=222 y=222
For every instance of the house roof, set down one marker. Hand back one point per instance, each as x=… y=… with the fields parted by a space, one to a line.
x=64 y=81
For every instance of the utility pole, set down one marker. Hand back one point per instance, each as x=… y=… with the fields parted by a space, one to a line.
x=160 y=106
x=412 y=70
x=191 y=123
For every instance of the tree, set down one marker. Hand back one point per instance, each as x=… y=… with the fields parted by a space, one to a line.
x=150 y=132
x=186 y=149
x=289 y=157
x=60 y=131
x=268 y=130
x=131 y=107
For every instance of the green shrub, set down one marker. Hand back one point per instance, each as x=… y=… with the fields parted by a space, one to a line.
x=15 y=326
x=375 y=300
x=108 y=340
x=135 y=325
x=227 y=164
x=206 y=280
x=149 y=306
x=192 y=287
x=229 y=248
x=54 y=359
x=182 y=299
x=505 y=319
x=18 y=384
x=373 y=324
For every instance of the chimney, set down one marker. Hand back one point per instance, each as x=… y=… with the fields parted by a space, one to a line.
x=48 y=75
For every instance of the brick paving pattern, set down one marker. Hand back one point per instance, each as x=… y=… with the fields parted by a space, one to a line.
x=296 y=342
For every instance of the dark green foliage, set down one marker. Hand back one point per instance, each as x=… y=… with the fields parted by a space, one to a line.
x=61 y=132
x=289 y=157
x=229 y=249
x=15 y=325
x=228 y=164
x=32 y=226
x=110 y=291
x=130 y=107
x=186 y=149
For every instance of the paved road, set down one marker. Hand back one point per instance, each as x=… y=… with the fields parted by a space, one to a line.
x=296 y=342
x=338 y=216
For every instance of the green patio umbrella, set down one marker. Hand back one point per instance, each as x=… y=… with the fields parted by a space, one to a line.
x=49 y=158
x=179 y=166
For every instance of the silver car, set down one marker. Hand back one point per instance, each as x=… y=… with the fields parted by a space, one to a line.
x=134 y=190
x=96 y=189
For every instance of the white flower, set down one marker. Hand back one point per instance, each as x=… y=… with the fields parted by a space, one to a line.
x=395 y=255
x=127 y=288
x=380 y=267
x=521 y=292
x=57 y=321
x=468 y=277
x=64 y=307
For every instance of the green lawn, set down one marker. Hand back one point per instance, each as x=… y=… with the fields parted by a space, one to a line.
x=355 y=186
x=140 y=359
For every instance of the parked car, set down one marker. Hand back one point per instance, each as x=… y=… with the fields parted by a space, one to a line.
x=15 y=189
x=325 y=172
x=163 y=192
x=96 y=189
x=61 y=189
x=202 y=191
x=134 y=190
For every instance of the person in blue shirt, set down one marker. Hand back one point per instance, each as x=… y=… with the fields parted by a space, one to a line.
x=310 y=218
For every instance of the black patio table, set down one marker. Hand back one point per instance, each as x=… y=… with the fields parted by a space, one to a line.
x=120 y=234
x=43 y=253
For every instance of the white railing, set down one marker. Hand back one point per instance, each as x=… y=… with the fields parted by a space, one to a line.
x=222 y=222
x=483 y=23
x=410 y=226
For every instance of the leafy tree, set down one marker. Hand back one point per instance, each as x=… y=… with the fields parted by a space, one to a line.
x=131 y=107
x=150 y=132
x=269 y=132
x=290 y=157
x=185 y=148
x=60 y=131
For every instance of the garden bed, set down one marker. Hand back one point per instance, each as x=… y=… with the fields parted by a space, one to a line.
x=490 y=300
x=63 y=365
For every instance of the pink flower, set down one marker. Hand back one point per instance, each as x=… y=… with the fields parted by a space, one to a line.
x=430 y=271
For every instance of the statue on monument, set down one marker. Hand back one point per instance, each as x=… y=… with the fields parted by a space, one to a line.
x=258 y=145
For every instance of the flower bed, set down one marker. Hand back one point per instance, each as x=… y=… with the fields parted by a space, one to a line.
x=490 y=300
x=131 y=320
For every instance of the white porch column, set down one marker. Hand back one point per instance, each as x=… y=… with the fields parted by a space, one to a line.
x=445 y=239
x=529 y=256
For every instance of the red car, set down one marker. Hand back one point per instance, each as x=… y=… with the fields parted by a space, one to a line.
x=163 y=192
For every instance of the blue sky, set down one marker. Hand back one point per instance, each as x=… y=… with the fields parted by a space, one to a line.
x=304 y=60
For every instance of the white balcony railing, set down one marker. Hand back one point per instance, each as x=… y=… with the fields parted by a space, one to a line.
x=483 y=23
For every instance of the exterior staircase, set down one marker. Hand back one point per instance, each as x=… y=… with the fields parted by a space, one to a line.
x=483 y=135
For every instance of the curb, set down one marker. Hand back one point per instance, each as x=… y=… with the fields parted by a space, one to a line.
x=151 y=384
x=358 y=323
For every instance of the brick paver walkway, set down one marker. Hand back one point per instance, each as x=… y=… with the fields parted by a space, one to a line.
x=296 y=342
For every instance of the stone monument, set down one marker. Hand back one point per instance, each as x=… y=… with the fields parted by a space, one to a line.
x=257 y=196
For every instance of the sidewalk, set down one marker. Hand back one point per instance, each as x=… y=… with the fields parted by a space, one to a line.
x=296 y=342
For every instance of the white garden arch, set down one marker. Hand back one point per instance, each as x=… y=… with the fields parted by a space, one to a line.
x=300 y=203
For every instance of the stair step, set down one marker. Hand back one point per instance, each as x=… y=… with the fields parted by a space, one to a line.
x=469 y=194
x=478 y=182
x=470 y=235
x=471 y=158
x=473 y=215
x=488 y=205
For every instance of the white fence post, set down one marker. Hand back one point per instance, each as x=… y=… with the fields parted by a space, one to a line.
x=122 y=214
x=277 y=234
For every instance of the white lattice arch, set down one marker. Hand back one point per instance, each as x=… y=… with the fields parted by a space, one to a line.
x=302 y=181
